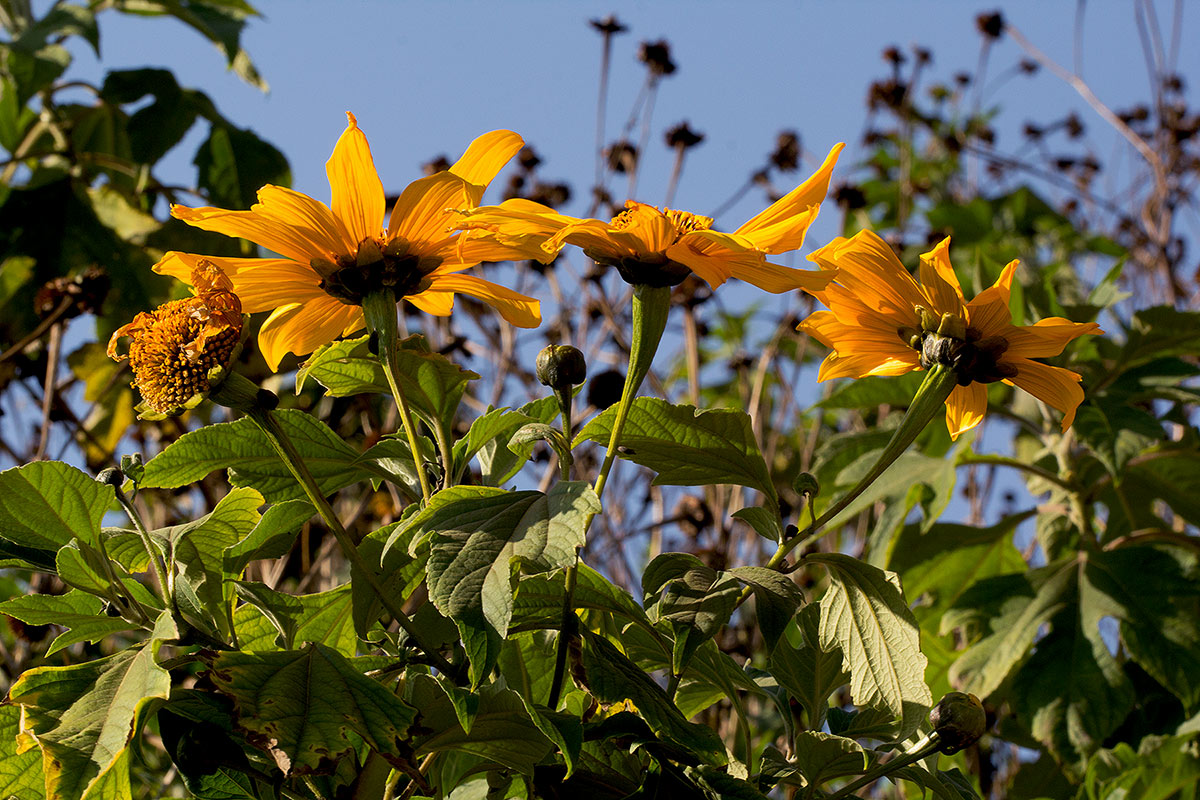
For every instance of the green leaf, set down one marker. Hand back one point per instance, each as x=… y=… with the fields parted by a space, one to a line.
x=687 y=446
x=79 y=612
x=392 y=456
x=15 y=271
x=20 y=773
x=233 y=163
x=1162 y=768
x=399 y=573
x=776 y=600
x=613 y=678
x=480 y=536
x=488 y=437
x=805 y=668
x=345 y=368
x=1159 y=332
x=765 y=522
x=243 y=449
x=212 y=764
x=945 y=560
x=46 y=504
x=1072 y=690
x=1155 y=602
x=539 y=599
x=872 y=391
x=527 y=436
x=302 y=706
x=324 y=618
x=272 y=537
x=1116 y=432
x=501 y=733
x=698 y=604
x=865 y=614
x=821 y=757
x=948 y=785
x=83 y=716
x=1002 y=615
x=198 y=547
x=83 y=568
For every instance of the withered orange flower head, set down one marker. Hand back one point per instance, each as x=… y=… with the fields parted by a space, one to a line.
x=881 y=321
x=331 y=257
x=181 y=350
x=662 y=246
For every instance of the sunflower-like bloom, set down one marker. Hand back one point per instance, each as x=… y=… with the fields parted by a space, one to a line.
x=333 y=256
x=181 y=350
x=660 y=247
x=881 y=321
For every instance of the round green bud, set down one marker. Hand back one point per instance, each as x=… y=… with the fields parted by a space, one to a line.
x=561 y=366
x=112 y=476
x=959 y=720
x=806 y=484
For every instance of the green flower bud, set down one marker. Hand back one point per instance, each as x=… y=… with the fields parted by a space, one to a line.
x=112 y=476
x=132 y=467
x=561 y=366
x=959 y=720
x=806 y=484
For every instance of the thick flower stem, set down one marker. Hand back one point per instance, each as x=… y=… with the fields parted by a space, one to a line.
x=278 y=438
x=927 y=746
x=928 y=402
x=651 y=305
x=379 y=311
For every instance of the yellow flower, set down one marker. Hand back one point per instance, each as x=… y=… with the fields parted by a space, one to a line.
x=659 y=247
x=881 y=321
x=333 y=256
x=182 y=349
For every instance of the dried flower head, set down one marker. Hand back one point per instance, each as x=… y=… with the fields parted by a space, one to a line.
x=181 y=350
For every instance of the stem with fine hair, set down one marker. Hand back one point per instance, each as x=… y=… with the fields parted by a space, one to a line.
x=282 y=444
x=939 y=381
x=379 y=311
x=651 y=305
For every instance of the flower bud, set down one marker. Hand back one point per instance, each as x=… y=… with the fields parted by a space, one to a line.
x=111 y=476
x=959 y=720
x=806 y=484
x=561 y=366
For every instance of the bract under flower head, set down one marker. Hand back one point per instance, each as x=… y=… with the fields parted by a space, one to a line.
x=661 y=246
x=332 y=256
x=182 y=350
x=881 y=321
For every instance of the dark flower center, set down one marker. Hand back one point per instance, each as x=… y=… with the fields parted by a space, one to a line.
x=350 y=280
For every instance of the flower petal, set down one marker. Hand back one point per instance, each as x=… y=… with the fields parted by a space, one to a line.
x=519 y=222
x=357 y=191
x=439 y=304
x=420 y=216
x=268 y=232
x=522 y=311
x=859 y=366
x=486 y=156
x=870 y=271
x=871 y=349
x=1045 y=338
x=1054 y=386
x=262 y=284
x=782 y=225
x=988 y=311
x=301 y=328
x=965 y=408
x=311 y=217
x=940 y=282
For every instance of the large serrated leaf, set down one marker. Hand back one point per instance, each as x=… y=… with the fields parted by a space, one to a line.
x=687 y=446
x=20 y=773
x=302 y=705
x=805 y=669
x=272 y=537
x=81 y=613
x=776 y=600
x=83 y=715
x=479 y=536
x=46 y=504
x=865 y=614
x=323 y=618
x=244 y=450
x=1005 y=613
x=613 y=678
x=487 y=439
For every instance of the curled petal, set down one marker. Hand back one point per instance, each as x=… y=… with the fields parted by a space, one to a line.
x=1054 y=386
x=1046 y=337
x=988 y=312
x=782 y=225
x=965 y=408
x=301 y=328
x=940 y=282
x=486 y=156
x=519 y=310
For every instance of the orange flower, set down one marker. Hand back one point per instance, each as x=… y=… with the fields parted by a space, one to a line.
x=333 y=256
x=660 y=247
x=881 y=321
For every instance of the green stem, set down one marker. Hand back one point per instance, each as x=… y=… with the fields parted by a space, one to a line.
x=156 y=559
x=651 y=305
x=566 y=399
x=938 y=383
x=379 y=311
x=926 y=747
x=1004 y=461
x=269 y=425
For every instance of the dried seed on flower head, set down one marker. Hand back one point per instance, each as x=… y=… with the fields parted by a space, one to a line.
x=181 y=350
